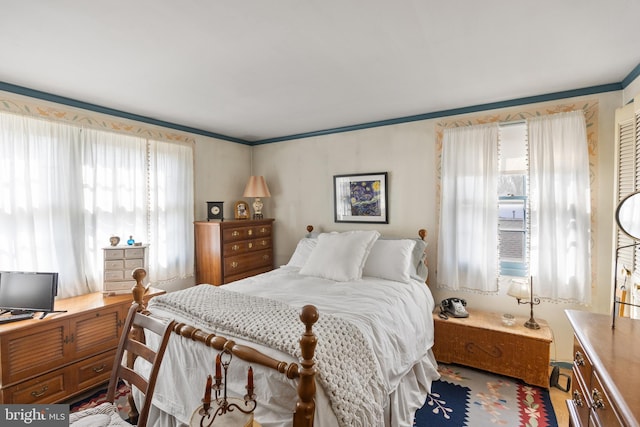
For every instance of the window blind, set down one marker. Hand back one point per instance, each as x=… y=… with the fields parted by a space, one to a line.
x=628 y=175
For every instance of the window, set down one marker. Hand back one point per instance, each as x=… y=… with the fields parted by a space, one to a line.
x=530 y=198
x=512 y=200
x=66 y=190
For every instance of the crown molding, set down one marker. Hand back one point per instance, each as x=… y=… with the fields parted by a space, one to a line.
x=436 y=114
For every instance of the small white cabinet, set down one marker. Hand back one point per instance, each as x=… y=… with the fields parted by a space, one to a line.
x=119 y=262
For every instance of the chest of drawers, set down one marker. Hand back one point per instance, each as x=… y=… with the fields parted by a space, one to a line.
x=65 y=354
x=231 y=250
x=119 y=262
x=605 y=371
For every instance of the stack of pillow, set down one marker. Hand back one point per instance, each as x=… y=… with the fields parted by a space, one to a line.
x=350 y=255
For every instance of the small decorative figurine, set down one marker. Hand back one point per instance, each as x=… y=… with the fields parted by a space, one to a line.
x=114 y=240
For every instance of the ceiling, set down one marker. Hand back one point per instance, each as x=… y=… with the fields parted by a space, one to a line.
x=254 y=70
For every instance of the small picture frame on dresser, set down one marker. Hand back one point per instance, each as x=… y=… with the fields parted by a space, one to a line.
x=241 y=210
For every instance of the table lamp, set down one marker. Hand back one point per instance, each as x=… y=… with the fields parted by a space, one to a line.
x=257 y=187
x=522 y=290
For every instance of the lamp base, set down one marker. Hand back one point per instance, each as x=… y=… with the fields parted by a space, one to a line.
x=531 y=324
x=257 y=208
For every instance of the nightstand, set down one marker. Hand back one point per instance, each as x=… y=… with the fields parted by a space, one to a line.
x=482 y=341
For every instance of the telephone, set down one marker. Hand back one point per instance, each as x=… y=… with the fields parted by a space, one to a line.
x=454 y=307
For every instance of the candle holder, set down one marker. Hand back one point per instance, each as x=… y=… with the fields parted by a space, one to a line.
x=224 y=404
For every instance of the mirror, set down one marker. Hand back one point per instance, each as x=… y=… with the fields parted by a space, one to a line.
x=628 y=219
x=628 y=215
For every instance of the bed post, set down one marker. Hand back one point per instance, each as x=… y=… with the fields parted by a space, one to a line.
x=306 y=405
x=138 y=292
x=138 y=289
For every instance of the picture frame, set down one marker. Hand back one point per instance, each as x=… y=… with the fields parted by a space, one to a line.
x=361 y=197
x=241 y=210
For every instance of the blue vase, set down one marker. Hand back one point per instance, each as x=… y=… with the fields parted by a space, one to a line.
x=130 y=242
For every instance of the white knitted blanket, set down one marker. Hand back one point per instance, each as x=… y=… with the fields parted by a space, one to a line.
x=347 y=368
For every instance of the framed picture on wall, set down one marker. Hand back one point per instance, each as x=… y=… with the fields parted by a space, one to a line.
x=361 y=198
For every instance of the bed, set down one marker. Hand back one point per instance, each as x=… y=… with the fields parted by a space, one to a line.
x=362 y=295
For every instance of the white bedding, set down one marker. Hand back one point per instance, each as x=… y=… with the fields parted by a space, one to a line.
x=394 y=317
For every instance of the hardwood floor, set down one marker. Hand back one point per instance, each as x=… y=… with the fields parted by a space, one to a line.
x=558 y=399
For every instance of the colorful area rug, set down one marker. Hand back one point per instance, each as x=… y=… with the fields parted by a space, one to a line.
x=468 y=397
x=463 y=397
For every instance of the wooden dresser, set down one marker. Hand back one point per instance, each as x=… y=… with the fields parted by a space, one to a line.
x=606 y=371
x=482 y=341
x=49 y=360
x=231 y=250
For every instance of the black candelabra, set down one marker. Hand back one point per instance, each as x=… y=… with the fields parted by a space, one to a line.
x=223 y=405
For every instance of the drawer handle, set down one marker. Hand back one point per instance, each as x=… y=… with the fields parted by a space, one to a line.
x=235 y=247
x=250 y=232
x=40 y=393
x=263 y=242
x=234 y=264
x=598 y=401
x=250 y=245
x=235 y=233
x=577 y=399
x=263 y=230
x=579 y=359
x=67 y=340
x=98 y=369
x=265 y=257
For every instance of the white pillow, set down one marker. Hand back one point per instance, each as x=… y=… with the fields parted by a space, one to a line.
x=302 y=252
x=391 y=259
x=420 y=271
x=340 y=256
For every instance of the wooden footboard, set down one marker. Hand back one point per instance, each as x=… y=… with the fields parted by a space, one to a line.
x=305 y=373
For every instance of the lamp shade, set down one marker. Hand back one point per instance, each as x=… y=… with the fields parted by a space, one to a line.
x=520 y=289
x=256 y=187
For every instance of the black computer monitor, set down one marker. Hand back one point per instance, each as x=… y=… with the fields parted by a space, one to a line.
x=22 y=291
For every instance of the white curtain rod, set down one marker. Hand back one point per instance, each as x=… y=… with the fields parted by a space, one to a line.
x=512 y=122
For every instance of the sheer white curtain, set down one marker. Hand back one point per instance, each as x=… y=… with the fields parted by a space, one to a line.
x=65 y=190
x=468 y=235
x=560 y=207
x=115 y=194
x=41 y=203
x=171 y=207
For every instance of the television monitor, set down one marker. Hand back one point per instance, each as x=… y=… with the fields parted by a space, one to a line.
x=27 y=291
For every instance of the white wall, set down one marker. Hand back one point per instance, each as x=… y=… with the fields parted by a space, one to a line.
x=221 y=171
x=300 y=176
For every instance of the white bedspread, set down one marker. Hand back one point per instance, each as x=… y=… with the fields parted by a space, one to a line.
x=395 y=318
